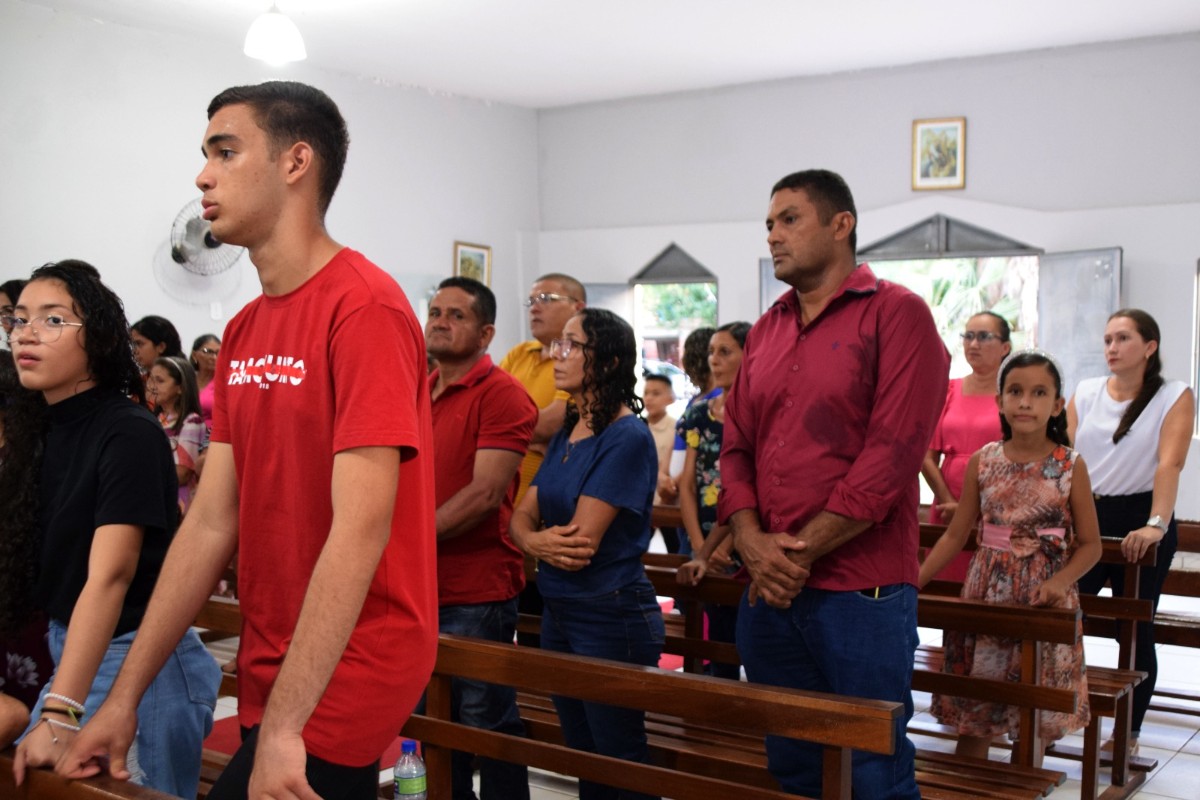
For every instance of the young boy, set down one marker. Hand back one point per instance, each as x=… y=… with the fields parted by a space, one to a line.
x=657 y=394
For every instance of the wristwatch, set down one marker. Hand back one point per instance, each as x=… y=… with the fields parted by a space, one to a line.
x=1157 y=522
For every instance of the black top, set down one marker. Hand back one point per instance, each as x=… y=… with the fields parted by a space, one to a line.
x=107 y=462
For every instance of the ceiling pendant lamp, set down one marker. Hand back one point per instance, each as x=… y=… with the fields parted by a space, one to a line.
x=274 y=38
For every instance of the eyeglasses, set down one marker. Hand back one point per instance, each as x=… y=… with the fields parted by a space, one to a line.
x=546 y=297
x=48 y=331
x=983 y=337
x=208 y=351
x=562 y=348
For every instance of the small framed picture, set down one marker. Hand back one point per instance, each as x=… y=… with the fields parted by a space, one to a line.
x=473 y=261
x=939 y=158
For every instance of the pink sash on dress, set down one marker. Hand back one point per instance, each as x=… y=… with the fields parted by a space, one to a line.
x=999 y=537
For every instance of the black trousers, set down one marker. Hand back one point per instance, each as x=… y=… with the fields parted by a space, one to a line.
x=331 y=781
x=1119 y=515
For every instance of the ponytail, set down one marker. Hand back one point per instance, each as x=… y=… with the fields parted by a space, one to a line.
x=1152 y=379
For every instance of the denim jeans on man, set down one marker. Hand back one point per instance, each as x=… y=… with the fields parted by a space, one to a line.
x=175 y=714
x=482 y=705
x=845 y=643
x=625 y=625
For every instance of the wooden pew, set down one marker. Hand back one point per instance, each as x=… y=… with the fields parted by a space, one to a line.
x=935 y=770
x=1110 y=689
x=41 y=784
x=840 y=724
x=1180 y=628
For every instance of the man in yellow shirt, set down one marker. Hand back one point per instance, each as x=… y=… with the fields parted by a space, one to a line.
x=553 y=299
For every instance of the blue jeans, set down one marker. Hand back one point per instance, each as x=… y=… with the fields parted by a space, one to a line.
x=175 y=714
x=487 y=706
x=627 y=626
x=844 y=643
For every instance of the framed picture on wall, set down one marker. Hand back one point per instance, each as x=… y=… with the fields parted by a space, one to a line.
x=939 y=158
x=473 y=261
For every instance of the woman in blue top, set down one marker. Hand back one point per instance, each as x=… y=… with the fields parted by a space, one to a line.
x=586 y=519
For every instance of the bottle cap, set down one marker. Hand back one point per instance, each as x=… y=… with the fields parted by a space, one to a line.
x=408 y=746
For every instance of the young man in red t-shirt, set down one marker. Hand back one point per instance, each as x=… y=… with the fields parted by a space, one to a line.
x=320 y=473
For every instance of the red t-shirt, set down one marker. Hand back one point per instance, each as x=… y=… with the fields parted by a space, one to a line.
x=336 y=364
x=486 y=410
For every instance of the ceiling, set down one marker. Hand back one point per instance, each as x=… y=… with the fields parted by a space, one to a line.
x=545 y=53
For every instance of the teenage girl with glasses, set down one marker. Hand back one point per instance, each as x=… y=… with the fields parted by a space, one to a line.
x=86 y=547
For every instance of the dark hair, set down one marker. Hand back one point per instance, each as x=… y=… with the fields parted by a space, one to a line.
x=159 y=330
x=105 y=329
x=189 y=393
x=290 y=112
x=111 y=366
x=657 y=376
x=13 y=289
x=573 y=286
x=609 y=369
x=1056 y=426
x=25 y=416
x=828 y=192
x=737 y=330
x=695 y=356
x=1152 y=379
x=482 y=299
x=201 y=340
x=1005 y=328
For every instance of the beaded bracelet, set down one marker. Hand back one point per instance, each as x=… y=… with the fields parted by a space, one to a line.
x=75 y=704
x=53 y=723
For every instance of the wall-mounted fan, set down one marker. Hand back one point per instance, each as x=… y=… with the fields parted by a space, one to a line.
x=193 y=266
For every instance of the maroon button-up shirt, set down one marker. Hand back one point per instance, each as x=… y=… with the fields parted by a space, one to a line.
x=836 y=416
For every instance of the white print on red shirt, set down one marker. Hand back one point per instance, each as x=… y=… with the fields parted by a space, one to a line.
x=267 y=370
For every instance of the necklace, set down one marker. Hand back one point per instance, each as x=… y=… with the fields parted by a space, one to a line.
x=570 y=448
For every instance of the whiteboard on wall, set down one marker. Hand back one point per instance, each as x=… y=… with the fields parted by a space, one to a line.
x=1077 y=292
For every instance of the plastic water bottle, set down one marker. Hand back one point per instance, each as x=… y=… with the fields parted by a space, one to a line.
x=410 y=773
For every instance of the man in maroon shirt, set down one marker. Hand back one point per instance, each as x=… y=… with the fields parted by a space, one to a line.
x=825 y=427
x=482 y=422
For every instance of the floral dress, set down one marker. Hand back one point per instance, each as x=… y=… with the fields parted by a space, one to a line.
x=703 y=433
x=1026 y=536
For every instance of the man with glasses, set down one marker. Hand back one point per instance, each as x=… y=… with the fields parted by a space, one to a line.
x=553 y=299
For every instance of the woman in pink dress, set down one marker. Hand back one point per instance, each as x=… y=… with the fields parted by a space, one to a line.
x=205 y=350
x=970 y=419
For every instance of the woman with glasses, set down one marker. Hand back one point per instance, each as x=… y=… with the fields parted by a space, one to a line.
x=970 y=419
x=586 y=520
x=87 y=511
x=205 y=350
x=1134 y=428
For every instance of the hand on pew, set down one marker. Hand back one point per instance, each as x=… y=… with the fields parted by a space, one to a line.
x=1136 y=543
x=1052 y=593
x=41 y=748
x=691 y=573
x=102 y=745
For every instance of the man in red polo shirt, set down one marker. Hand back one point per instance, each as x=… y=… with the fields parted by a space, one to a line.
x=482 y=422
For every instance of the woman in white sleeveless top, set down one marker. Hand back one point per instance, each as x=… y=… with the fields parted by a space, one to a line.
x=1133 y=429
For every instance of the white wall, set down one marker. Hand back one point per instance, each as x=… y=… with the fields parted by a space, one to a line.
x=1066 y=150
x=101 y=130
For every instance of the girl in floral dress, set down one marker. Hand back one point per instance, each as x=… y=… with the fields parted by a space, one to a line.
x=1039 y=535
x=702 y=426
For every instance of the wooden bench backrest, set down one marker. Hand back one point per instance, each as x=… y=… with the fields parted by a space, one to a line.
x=42 y=784
x=839 y=723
